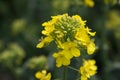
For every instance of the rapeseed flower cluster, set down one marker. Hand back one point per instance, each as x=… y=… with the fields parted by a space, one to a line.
x=88 y=69
x=69 y=34
x=43 y=75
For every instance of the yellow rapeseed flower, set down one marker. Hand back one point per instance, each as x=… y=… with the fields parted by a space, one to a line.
x=82 y=36
x=79 y=19
x=91 y=47
x=88 y=69
x=71 y=48
x=44 y=41
x=62 y=58
x=89 y=3
x=43 y=75
x=49 y=27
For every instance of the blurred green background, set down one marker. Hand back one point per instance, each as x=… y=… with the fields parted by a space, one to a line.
x=20 y=30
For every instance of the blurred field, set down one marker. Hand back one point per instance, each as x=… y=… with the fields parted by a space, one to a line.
x=20 y=31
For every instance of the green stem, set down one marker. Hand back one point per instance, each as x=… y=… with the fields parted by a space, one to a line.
x=73 y=68
x=64 y=73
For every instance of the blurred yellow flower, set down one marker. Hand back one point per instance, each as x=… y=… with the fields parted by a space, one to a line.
x=43 y=75
x=39 y=62
x=113 y=21
x=13 y=53
x=18 y=26
x=111 y=2
x=89 y=3
x=88 y=69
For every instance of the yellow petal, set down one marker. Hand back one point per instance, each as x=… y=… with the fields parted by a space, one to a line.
x=55 y=55
x=38 y=75
x=75 y=52
x=91 y=48
x=67 y=54
x=66 y=62
x=48 y=76
x=83 y=78
x=91 y=33
x=58 y=62
x=82 y=36
x=44 y=41
x=40 y=45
